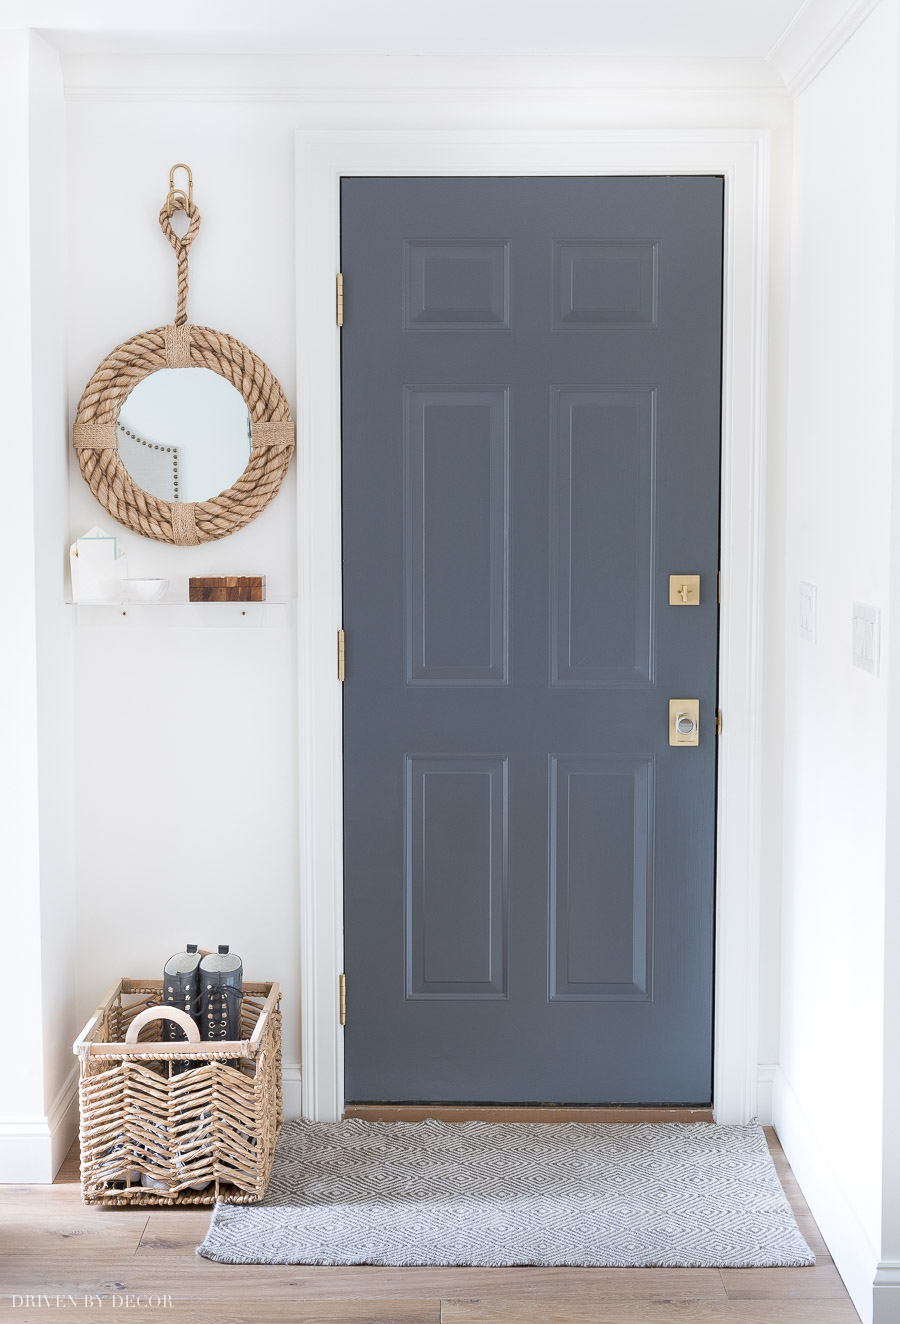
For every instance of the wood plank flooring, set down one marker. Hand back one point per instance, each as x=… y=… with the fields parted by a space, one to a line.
x=122 y=1261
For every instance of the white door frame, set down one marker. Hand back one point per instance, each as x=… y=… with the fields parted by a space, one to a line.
x=323 y=157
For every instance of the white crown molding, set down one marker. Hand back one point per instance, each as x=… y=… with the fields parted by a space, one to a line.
x=817 y=32
x=382 y=79
x=406 y=95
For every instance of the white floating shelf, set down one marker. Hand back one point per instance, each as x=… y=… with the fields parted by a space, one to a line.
x=169 y=612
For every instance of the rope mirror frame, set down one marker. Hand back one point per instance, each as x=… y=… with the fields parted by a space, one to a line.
x=182 y=345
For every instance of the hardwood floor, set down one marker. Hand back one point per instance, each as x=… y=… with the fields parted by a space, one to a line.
x=120 y=1261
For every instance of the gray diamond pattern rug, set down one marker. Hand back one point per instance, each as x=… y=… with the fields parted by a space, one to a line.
x=487 y=1193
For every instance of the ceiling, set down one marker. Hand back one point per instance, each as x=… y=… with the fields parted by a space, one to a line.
x=630 y=29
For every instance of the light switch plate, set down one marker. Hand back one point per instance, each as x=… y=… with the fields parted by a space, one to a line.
x=866 y=640
x=808 y=611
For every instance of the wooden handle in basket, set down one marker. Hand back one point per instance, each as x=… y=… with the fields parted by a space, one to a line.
x=163 y=1014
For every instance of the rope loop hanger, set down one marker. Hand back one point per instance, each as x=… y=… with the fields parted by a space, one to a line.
x=183 y=345
x=178 y=200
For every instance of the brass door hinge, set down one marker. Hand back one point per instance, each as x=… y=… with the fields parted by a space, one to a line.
x=340 y=298
x=718 y=721
x=343 y=998
x=340 y=654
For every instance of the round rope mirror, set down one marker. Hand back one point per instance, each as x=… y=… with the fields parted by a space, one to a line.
x=97 y=428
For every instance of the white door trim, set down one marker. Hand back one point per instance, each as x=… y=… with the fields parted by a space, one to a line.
x=323 y=156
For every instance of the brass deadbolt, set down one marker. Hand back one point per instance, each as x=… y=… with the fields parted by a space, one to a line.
x=684 y=590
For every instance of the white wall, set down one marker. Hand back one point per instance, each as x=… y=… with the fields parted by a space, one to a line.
x=186 y=750
x=772 y=612
x=37 y=1118
x=888 y=1278
x=186 y=745
x=199 y=810
x=828 y=1101
x=174 y=762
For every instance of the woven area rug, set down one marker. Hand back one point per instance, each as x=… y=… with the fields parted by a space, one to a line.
x=486 y=1193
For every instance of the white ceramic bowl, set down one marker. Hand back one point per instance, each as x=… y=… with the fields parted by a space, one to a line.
x=142 y=590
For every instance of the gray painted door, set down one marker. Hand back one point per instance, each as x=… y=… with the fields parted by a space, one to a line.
x=531 y=420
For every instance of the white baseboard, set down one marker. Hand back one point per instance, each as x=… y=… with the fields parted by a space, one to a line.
x=62 y=1121
x=32 y=1148
x=854 y=1255
x=765 y=1082
x=887 y=1292
x=290 y=1085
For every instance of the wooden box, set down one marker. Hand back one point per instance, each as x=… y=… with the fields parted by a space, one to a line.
x=227 y=588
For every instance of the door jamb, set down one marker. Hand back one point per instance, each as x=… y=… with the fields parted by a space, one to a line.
x=322 y=158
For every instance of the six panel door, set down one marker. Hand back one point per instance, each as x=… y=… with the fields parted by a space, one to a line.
x=531 y=434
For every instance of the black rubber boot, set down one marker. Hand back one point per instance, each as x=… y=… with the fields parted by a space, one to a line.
x=220 y=996
x=181 y=988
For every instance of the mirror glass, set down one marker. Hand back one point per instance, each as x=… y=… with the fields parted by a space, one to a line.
x=184 y=434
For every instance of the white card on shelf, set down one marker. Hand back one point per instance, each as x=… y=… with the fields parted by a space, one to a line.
x=97 y=563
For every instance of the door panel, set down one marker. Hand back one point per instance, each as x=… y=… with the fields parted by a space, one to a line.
x=455 y=287
x=456 y=882
x=455 y=524
x=601 y=569
x=605 y=284
x=531 y=404
x=601 y=878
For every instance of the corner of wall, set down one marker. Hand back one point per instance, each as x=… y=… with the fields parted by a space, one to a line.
x=828 y=1089
x=36 y=810
x=855 y=1258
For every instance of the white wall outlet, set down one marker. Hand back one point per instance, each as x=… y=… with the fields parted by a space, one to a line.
x=808 y=611
x=866 y=637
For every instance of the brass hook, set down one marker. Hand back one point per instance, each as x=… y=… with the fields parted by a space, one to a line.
x=174 y=192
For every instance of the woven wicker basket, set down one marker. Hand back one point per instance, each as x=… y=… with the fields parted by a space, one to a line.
x=213 y=1126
